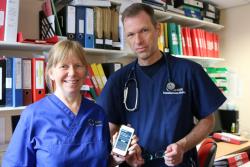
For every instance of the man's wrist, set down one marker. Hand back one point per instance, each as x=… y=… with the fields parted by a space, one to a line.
x=182 y=144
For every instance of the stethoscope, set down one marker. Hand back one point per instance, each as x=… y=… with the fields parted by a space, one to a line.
x=170 y=85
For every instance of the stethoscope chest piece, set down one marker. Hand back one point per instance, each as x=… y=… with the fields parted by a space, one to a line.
x=170 y=86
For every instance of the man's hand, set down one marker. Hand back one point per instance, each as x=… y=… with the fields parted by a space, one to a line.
x=174 y=154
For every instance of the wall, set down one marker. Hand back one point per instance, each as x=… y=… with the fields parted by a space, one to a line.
x=235 y=48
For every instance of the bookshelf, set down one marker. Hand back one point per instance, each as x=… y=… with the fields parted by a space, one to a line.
x=204 y=61
x=28 y=47
x=181 y=19
x=187 y=21
x=11 y=111
x=28 y=50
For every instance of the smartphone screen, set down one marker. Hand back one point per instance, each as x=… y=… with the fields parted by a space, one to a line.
x=123 y=140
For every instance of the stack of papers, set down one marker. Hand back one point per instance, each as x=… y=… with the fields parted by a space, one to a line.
x=230 y=138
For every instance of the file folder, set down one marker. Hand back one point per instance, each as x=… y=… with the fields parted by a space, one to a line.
x=38 y=83
x=101 y=73
x=2 y=18
x=166 y=48
x=2 y=80
x=98 y=25
x=116 y=43
x=9 y=82
x=189 y=41
x=11 y=20
x=67 y=21
x=27 y=84
x=161 y=42
x=97 y=75
x=184 y=41
x=173 y=39
x=57 y=25
x=89 y=28
x=194 y=3
x=107 y=29
x=90 y=87
x=195 y=42
x=80 y=21
x=94 y=80
x=17 y=91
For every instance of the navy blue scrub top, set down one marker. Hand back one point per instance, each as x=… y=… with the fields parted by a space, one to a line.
x=50 y=135
x=163 y=117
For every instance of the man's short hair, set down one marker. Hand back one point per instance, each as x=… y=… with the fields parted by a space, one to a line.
x=136 y=8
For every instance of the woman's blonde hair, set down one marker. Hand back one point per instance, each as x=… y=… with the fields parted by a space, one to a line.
x=59 y=52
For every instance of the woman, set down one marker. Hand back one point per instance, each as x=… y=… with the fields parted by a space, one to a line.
x=64 y=128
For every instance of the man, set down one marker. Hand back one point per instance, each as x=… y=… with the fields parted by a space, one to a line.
x=171 y=92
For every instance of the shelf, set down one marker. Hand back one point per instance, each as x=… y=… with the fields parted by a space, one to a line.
x=23 y=46
x=116 y=2
x=181 y=19
x=186 y=21
x=204 y=61
x=15 y=46
x=11 y=111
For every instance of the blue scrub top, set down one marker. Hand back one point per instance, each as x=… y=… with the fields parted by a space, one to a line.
x=163 y=116
x=49 y=134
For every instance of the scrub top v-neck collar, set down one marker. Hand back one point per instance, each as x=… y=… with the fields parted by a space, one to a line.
x=150 y=72
x=66 y=109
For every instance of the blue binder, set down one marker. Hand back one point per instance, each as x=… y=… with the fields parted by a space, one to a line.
x=9 y=82
x=89 y=28
x=17 y=90
x=80 y=21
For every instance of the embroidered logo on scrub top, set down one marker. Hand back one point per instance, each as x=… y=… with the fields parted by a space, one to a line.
x=172 y=90
x=93 y=122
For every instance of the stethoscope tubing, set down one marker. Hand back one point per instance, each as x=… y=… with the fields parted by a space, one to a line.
x=132 y=78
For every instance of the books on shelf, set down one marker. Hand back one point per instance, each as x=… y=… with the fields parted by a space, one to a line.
x=230 y=138
x=97 y=77
x=183 y=40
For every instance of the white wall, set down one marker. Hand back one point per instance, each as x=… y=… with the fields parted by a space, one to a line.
x=235 y=48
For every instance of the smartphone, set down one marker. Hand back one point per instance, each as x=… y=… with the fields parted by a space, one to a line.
x=123 y=140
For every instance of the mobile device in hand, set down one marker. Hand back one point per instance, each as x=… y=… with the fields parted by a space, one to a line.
x=123 y=140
